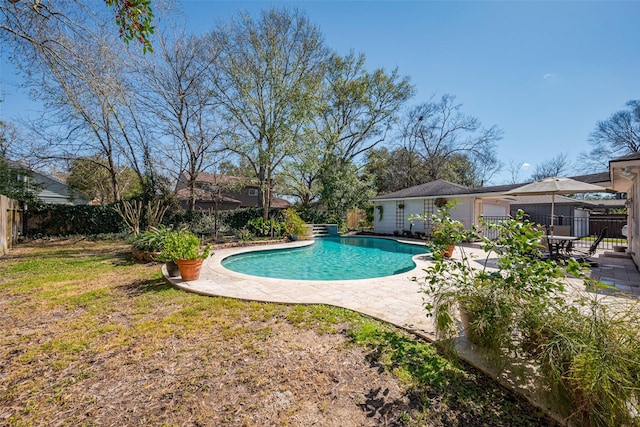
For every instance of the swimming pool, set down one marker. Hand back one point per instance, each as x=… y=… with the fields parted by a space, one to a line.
x=330 y=258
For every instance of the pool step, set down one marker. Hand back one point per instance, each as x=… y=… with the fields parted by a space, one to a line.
x=324 y=230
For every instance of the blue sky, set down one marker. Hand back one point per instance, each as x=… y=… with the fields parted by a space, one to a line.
x=545 y=72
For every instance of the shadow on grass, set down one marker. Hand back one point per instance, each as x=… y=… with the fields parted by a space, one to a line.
x=449 y=392
x=140 y=287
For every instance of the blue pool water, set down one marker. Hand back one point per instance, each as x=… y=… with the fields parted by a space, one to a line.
x=330 y=258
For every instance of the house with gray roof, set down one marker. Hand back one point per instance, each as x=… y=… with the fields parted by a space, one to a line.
x=393 y=210
x=50 y=189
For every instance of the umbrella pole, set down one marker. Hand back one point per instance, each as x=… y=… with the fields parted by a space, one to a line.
x=553 y=202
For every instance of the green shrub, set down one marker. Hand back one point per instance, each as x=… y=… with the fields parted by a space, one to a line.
x=261 y=228
x=151 y=240
x=590 y=358
x=293 y=224
x=586 y=349
x=312 y=215
x=202 y=222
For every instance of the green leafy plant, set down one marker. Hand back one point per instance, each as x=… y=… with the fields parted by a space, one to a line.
x=183 y=245
x=261 y=228
x=293 y=224
x=151 y=240
x=500 y=303
x=445 y=231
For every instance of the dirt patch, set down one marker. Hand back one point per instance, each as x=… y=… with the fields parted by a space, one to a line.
x=113 y=344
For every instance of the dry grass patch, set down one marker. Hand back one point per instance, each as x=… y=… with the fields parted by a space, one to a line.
x=91 y=338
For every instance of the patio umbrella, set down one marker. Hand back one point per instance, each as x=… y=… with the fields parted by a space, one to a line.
x=555 y=185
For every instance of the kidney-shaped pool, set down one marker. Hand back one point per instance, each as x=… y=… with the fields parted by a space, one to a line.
x=330 y=258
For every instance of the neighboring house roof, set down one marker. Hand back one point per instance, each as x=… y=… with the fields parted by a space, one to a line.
x=204 y=195
x=544 y=199
x=215 y=178
x=559 y=200
x=235 y=193
x=52 y=190
x=279 y=203
x=607 y=203
x=441 y=188
x=594 y=178
x=632 y=156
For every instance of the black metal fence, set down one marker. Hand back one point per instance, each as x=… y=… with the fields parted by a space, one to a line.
x=586 y=228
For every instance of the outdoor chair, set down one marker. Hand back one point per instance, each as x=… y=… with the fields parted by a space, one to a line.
x=583 y=255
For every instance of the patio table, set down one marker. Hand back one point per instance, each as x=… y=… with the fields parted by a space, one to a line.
x=557 y=245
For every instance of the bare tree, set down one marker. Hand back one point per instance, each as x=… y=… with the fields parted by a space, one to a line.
x=515 y=171
x=181 y=95
x=556 y=166
x=90 y=108
x=617 y=136
x=442 y=133
x=267 y=76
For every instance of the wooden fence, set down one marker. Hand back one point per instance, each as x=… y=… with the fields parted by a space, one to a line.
x=11 y=217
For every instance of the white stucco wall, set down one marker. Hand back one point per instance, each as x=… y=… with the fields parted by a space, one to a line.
x=385 y=221
x=633 y=223
x=463 y=212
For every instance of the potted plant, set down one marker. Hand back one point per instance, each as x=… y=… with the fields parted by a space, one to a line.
x=501 y=308
x=185 y=249
x=446 y=232
x=294 y=226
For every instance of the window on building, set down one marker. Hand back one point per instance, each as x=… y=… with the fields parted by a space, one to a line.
x=253 y=191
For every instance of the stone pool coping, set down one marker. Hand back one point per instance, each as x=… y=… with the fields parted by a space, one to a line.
x=395 y=299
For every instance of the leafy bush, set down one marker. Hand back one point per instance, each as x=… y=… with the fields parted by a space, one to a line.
x=587 y=349
x=261 y=228
x=238 y=218
x=293 y=224
x=311 y=215
x=205 y=225
x=151 y=240
x=202 y=222
x=590 y=358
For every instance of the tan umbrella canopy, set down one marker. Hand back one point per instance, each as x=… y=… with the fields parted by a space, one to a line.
x=555 y=185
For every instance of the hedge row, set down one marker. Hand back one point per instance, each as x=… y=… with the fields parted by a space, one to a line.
x=62 y=220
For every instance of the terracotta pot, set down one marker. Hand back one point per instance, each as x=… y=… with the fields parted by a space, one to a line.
x=449 y=252
x=189 y=268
